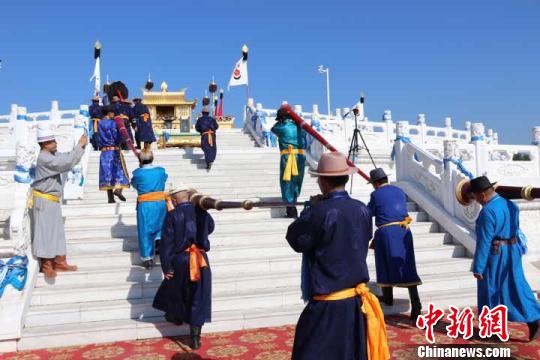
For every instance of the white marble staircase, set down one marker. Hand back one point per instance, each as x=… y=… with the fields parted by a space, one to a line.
x=255 y=274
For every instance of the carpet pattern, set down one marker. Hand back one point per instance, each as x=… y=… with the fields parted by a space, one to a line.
x=273 y=343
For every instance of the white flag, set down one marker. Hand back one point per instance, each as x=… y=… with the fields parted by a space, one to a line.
x=97 y=77
x=240 y=74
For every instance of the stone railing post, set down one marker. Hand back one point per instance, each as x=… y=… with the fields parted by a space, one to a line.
x=387 y=117
x=536 y=141
x=448 y=127
x=447 y=189
x=421 y=122
x=468 y=130
x=13 y=119
x=54 y=116
x=489 y=136
x=478 y=139
x=402 y=131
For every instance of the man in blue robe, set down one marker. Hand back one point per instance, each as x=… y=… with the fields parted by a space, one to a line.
x=393 y=242
x=497 y=259
x=113 y=175
x=185 y=293
x=145 y=132
x=95 y=115
x=333 y=234
x=126 y=113
x=292 y=144
x=207 y=126
x=149 y=181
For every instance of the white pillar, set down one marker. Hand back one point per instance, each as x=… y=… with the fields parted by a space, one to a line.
x=421 y=122
x=447 y=190
x=448 y=127
x=387 y=117
x=479 y=142
x=298 y=109
x=402 y=129
x=259 y=106
x=468 y=129
x=54 y=116
x=250 y=102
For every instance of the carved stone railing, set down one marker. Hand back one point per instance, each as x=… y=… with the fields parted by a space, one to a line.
x=20 y=143
x=338 y=130
x=431 y=181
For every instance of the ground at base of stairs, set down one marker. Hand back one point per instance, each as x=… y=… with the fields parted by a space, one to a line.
x=274 y=343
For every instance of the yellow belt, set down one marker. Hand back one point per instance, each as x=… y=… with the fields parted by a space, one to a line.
x=291 y=167
x=156 y=196
x=36 y=193
x=404 y=223
x=376 y=328
x=209 y=134
x=96 y=124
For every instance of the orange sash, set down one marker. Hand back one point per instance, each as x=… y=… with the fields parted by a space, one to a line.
x=196 y=262
x=156 y=196
x=210 y=139
x=96 y=124
x=145 y=117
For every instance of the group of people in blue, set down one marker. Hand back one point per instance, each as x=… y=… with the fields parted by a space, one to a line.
x=135 y=115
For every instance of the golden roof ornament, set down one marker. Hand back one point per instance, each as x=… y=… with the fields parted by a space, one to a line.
x=164 y=87
x=97 y=45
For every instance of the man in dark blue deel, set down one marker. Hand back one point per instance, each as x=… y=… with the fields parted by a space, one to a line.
x=207 y=126
x=144 y=132
x=393 y=242
x=333 y=234
x=95 y=116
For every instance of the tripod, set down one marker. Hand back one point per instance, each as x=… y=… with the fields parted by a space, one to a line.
x=354 y=148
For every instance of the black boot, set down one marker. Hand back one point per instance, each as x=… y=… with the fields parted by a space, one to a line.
x=387 y=295
x=110 y=196
x=195 y=332
x=208 y=166
x=533 y=329
x=148 y=264
x=416 y=305
x=118 y=194
x=292 y=213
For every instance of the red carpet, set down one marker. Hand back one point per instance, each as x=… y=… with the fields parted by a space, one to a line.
x=268 y=344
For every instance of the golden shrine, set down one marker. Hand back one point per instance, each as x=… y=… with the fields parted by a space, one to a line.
x=172 y=118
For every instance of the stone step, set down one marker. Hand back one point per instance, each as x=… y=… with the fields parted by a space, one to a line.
x=220 y=217
x=224 y=262
x=233 y=299
x=127 y=227
x=98 y=246
x=157 y=327
x=114 y=268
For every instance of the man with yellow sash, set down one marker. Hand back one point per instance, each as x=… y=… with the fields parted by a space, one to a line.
x=49 y=240
x=149 y=181
x=393 y=242
x=342 y=318
x=292 y=144
x=144 y=132
x=207 y=127
x=185 y=293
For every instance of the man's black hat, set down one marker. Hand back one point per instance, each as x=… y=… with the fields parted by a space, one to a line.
x=106 y=109
x=376 y=175
x=282 y=114
x=480 y=184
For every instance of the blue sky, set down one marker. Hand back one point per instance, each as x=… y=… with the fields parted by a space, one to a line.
x=471 y=60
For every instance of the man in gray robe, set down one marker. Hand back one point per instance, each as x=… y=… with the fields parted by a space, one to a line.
x=49 y=240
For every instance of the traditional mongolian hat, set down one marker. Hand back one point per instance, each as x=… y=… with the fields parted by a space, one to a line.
x=205 y=110
x=282 y=114
x=115 y=98
x=137 y=99
x=376 y=175
x=95 y=98
x=333 y=164
x=480 y=184
x=179 y=188
x=44 y=133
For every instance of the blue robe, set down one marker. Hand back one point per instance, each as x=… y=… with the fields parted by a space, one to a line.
x=113 y=173
x=289 y=133
x=145 y=132
x=504 y=281
x=333 y=236
x=183 y=299
x=95 y=116
x=205 y=123
x=127 y=114
x=394 y=250
x=150 y=214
